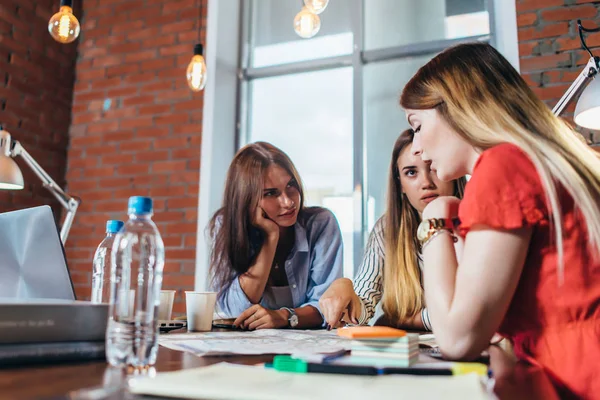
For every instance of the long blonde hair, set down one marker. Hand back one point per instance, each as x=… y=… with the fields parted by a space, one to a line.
x=402 y=288
x=485 y=100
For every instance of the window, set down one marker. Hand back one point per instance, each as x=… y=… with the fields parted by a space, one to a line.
x=331 y=102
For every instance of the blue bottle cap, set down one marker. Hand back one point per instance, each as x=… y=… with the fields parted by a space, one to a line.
x=113 y=226
x=139 y=205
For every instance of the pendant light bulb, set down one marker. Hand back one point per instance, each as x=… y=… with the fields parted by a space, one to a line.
x=307 y=24
x=196 y=70
x=316 y=6
x=64 y=26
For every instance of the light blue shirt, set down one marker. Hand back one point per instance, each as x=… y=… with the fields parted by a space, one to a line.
x=313 y=264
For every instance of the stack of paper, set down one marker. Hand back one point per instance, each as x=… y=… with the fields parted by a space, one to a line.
x=401 y=352
x=371 y=345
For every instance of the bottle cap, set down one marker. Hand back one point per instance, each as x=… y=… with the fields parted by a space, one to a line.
x=113 y=226
x=139 y=205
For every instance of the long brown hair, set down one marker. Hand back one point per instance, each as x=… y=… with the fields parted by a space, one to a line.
x=236 y=242
x=485 y=101
x=402 y=287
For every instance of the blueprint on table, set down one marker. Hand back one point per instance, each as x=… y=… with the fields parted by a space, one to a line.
x=267 y=341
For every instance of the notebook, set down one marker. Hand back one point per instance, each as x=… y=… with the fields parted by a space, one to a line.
x=371 y=332
x=259 y=383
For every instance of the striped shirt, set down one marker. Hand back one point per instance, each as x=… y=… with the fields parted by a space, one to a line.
x=368 y=284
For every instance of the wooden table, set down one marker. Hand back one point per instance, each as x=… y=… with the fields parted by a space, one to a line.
x=513 y=380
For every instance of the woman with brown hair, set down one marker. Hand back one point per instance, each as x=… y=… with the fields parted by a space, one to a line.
x=530 y=218
x=272 y=258
x=391 y=264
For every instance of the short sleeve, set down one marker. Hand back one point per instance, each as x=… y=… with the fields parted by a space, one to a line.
x=504 y=192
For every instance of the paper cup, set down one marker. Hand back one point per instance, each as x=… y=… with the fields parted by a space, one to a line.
x=167 y=297
x=199 y=308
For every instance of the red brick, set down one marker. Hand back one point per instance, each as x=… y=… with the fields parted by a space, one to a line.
x=134 y=101
x=135 y=146
x=172 y=119
x=155 y=109
x=569 y=13
x=544 y=62
x=132 y=169
x=528 y=5
x=138 y=122
x=547 y=31
x=526 y=19
x=125 y=47
x=141 y=56
x=168 y=166
x=526 y=48
x=117 y=159
x=158 y=64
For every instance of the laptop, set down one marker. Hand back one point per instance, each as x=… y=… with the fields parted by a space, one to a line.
x=32 y=258
x=37 y=299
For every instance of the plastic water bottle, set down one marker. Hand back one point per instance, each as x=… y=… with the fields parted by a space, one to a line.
x=101 y=269
x=137 y=261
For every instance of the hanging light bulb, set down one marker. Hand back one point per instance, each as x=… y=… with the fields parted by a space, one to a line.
x=316 y=6
x=63 y=26
x=196 y=70
x=307 y=24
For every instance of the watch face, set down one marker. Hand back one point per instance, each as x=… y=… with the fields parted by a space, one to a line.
x=293 y=321
x=423 y=229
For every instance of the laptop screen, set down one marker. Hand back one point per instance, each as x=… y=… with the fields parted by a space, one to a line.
x=32 y=259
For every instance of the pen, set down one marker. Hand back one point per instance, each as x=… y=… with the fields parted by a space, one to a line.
x=289 y=364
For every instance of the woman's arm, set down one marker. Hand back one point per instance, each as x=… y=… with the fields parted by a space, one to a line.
x=254 y=281
x=326 y=260
x=360 y=298
x=467 y=302
x=368 y=284
x=248 y=288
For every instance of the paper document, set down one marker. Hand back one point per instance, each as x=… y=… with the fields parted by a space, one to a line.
x=227 y=381
x=267 y=341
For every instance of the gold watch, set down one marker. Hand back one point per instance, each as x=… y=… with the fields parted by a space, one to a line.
x=428 y=227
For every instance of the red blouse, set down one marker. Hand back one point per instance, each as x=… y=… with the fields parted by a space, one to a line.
x=553 y=325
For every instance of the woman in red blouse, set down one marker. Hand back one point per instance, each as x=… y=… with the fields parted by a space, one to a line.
x=530 y=218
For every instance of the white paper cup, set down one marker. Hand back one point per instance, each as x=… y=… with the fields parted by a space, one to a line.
x=199 y=308
x=167 y=297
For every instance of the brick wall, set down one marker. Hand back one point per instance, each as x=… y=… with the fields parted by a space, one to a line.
x=549 y=46
x=36 y=90
x=136 y=129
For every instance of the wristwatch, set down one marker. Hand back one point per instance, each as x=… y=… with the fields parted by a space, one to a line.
x=293 y=318
x=428 y=227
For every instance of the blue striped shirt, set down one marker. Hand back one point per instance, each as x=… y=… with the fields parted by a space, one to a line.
x=314 y=262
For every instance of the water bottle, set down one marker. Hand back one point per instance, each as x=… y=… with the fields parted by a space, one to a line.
x=101 y=269
x=137 y=260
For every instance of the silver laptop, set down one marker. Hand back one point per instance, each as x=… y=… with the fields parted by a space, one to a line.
x=32 y=259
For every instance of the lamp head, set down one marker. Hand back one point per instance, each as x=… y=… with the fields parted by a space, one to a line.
x=11 y=177
x=587 y=110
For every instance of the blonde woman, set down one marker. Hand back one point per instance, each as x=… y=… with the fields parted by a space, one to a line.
x=530 y=216
x=392 y=253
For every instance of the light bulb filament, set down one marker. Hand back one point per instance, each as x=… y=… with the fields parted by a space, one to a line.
x=196 y=74
x=64 y=26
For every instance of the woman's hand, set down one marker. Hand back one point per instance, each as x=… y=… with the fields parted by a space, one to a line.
x=339 y=298
x=262 y=222
x=258 y=317
x=442 y=207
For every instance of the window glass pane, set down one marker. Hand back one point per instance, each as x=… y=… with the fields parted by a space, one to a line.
x=384 y=121
x=309 y=116
x=274 y=41
x=390 y=23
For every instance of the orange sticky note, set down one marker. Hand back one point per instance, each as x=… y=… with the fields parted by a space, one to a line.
x=363 y=332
